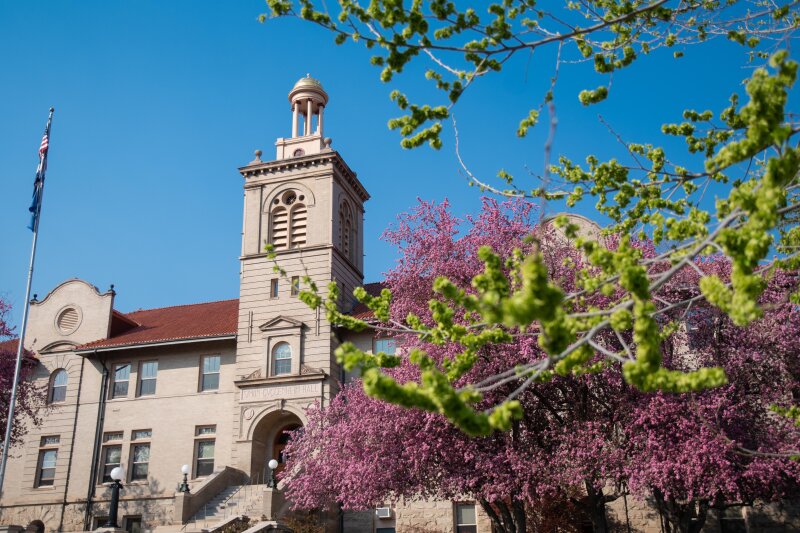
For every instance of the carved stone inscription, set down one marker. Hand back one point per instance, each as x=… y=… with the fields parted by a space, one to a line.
x=281 y=392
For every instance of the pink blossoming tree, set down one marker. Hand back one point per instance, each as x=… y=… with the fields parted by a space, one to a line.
x=584 y=438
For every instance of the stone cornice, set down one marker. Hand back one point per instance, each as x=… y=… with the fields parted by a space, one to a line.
x=259 y=169
x=283 y=380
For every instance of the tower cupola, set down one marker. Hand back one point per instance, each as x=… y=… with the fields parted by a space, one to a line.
x=308 y=100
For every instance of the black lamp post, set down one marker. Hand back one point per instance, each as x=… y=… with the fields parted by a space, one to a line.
x=185 y=485
x=116 y=485
x=272 y=483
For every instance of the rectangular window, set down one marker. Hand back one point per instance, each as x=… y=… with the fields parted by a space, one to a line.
x=210 y=378
x=140 y=459
x=47 y=468
x=49 y=440
x=112 y=436
x=385 y=530
x=466 y=521
x=133 y=524
x=205 y=430
x=147 y=377
x=122 y=373
x=99 y=521
x=112 y=456
x=273 y=288
x=139 y=434
x=204 y=461
x=295 y=285
x=387 y=346
x=732 y=521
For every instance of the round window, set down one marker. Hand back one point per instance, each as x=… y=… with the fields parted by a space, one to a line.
x=68 y=320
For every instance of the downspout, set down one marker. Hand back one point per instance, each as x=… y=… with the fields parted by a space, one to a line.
x=72 y=446
x=98 y=435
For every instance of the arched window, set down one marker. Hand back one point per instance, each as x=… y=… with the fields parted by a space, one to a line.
x=58 y=386
x=346 y=233
x=288 y=220
x=281 y=359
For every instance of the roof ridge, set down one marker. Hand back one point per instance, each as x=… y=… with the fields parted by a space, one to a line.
x=176 y=306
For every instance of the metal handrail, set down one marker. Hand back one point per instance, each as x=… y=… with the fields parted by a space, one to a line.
x=243 y=493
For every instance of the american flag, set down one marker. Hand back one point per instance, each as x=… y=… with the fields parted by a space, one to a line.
x=38 y=182
x=45 y=143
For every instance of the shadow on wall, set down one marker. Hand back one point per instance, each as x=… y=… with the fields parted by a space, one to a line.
x=154 y=512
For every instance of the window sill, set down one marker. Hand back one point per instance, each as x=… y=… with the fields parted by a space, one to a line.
x=45 y=487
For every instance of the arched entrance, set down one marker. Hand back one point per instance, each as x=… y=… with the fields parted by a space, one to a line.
x=281 y=440
x=270 y=438
x=37 y=526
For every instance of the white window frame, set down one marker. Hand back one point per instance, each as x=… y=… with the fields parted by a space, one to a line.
x=114 y=380
x=274 y=359
x=203 y=372
x=458 y=524
x=143 y=379
x=51 y=393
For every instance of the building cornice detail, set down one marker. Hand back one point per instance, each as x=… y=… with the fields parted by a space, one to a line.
x=287 y=380
x=133 y=346
x=271 y=167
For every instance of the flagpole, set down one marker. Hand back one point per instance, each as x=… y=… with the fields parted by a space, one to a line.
x=20 y=347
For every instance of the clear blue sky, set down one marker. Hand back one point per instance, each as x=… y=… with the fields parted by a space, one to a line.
x=158 y=103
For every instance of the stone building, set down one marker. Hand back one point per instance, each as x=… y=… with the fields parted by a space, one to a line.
x=214 y=385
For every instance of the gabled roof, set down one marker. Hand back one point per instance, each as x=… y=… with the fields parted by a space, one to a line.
x=361 y=311
x=166 y=324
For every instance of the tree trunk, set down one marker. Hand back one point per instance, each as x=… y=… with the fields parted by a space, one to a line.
x=596 y=508
x=506 y=518
x=678 y=516
x=519 y=515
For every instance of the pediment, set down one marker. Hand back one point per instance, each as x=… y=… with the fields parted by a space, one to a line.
x=280 y=322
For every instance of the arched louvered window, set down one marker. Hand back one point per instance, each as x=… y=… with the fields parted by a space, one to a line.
x=289 y=221
x=351 y=229
x=340 y=237
x=346 y=242
x=280 y=227
x=58 y=386
x=299 y=218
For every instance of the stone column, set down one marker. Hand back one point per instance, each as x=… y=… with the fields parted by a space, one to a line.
x=295 y=105
x=309 y=117
x=319 y=120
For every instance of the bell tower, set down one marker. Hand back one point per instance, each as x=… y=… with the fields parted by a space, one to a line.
x=308 y=206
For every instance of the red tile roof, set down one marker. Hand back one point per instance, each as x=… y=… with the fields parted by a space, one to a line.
x=9 y=346
x=361 y=311
x=181 y=322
